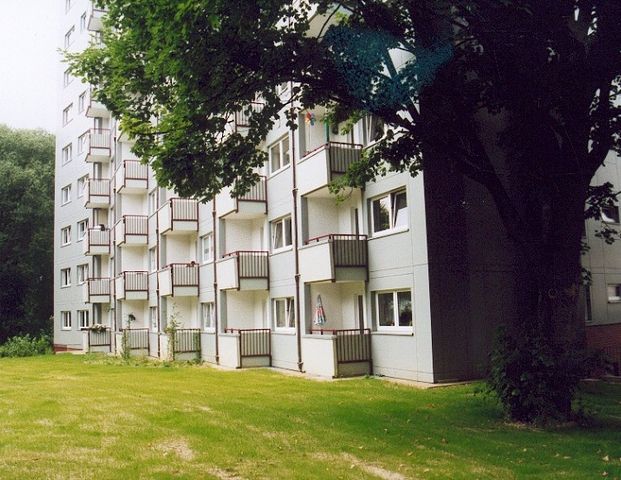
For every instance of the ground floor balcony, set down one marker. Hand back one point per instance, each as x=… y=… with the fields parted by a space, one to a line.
x=97 y=193
x=178 y=216
x=179 y=280
x=334 y=258
x=132 y=285
x=338 y=353
x=318 y=168
x=132 y=177
x=97 y=340
x=131 y=231
x=133 y=340
x=243 y=270
x=251 y=205
x=96 y=290
x=96 y=242
x=99 y=146
x=242 y=348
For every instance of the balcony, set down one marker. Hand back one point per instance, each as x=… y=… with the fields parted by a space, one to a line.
x=246 y=347
x=131 y=231
x=179 y=280
x=334 y=258
x=132 y=177
x=243 y=270
x=251 y=205
x=241 y=118
x=97 y=290
x=95 y=108
x=96 y=242
x=178 y=216
x=99 y=148
x=317 y=169
x=338 y=353
x=132 y=286
x=95 y=20
x=97 y=193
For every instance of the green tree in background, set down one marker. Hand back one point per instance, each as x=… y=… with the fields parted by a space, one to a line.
x=26 y=231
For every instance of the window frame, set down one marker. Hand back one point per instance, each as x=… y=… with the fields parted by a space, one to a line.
x=81 y=186
x=83 y=315
x=69 y=39
x=280 y=224
x=67 y=153
x=83 y=22
x=616 y=297
x=65 y=195
x=393 y=213
x=82 y=102
x=64 y=316
x=153 y=318
x=152 y=259
x=289 y=312
x=68 y=114
x=67 y=78
x=210 y=257
x=65 y=236
x=65 y=276
x=83 y=268
x=81 y=232
x=208 y=311
x=282 y=154
x=396 y=327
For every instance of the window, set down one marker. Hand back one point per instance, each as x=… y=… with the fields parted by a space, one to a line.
x=207 y=248
x=67 y=153
x=153 y=318
x=614 y=293
x=67 y=5
x=69 y=37
x=82 y=273
x=81 y=102
x=284 y=312
x=152 y=259
x=282 y=88
x=65 y=277
x=65 y=319
x=65 y=195
x=207 y=315
x=82 y=143
x=610 y=214
x=83 y=319
x=281 y=233
x=390 y=212
x=394 y=309
x=68 y=114
x=65 y=236
x=82 y=228
x=82 y=185
x=279 y=154
x=152 y=202
x=67 y=78
x=83 y=22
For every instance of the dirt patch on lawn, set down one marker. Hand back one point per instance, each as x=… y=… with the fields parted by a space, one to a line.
x=369 y=468
x=178 y=447
x=223 y=474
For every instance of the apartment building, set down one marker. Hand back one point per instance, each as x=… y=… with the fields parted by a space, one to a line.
x=397 y=279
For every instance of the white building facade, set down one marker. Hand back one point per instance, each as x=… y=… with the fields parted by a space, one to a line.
x=389 y=281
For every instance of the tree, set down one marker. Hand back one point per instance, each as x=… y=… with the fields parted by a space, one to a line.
x=26 y=231
x=518 y=96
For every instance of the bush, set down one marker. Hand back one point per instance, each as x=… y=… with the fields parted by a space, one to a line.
x=26 y=346
x=534 y=379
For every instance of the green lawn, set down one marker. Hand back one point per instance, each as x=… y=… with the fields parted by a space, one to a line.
x=79 y=417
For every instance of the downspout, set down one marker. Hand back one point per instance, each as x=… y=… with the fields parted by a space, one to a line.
x=214 y=218
x=294 y=192
x=157 y=266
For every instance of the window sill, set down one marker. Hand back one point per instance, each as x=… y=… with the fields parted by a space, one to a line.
x=288 y=248
x=284 y=331
x=209 y=330
x=387 y=233
x=394 y=333
x=207 y=262
x=66 y=329
x=65 y=245
x=281 y=169
x=65 y=286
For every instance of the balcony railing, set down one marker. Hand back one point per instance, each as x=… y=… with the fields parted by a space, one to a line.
x=253 y=342
x=242 y=117
x=135 y=170
x=97 y=193
x=184 y=209
x=347 y=250
x=352 y=345
x=320 y=166
x=137 y=338
x=251 y=264
x=179 y=279
x=135 y=281
x=132 y=230
x=97 y=338
x=99 y=138
x=187 y=340
x=178 y=215
x=97 y=241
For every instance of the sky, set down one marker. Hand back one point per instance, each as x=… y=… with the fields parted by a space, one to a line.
x=29 y=63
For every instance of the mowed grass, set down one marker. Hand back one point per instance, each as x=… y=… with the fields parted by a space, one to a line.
x=83 y=417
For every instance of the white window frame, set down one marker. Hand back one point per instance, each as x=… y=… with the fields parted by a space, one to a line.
x=65 y=195
x=83 y=22
x=392 y=213
x=65 y=277
x=68 y=114
x=152 y=259
x=82 y=273
x=208 y=316
x=284 y=155
x=288 y=304
x=84 y=320
x=153 y=318
x=65 y=320
x=82 y=186
x=69 y=37
x=82 y=102
x=67 y=78
x=65 y=236
x=67 y=153
x=396 y=327
x=67 y=5
x=82 y=143
x=152 y=202
x=613 y=292
x=281 y=225
x=206 y=243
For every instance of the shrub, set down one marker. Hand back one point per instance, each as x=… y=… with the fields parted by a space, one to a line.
x=26 y=346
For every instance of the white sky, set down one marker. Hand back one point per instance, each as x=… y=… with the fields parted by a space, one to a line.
x=29 y=63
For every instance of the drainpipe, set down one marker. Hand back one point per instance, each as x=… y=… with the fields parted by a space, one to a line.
x=157 y=266
x=214 y=218
x=294 y=192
